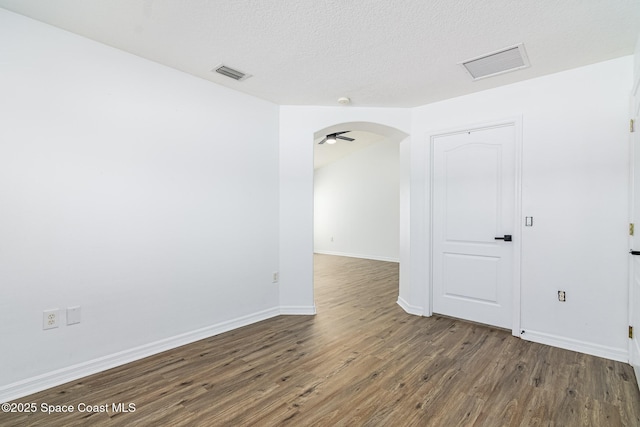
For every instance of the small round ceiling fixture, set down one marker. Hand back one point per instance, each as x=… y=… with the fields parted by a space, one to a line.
x=344 y=100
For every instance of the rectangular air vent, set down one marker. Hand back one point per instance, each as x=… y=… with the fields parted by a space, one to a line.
x=502 y=61
x=230 y=72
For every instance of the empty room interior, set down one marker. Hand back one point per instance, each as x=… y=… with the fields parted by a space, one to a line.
x=319 y=213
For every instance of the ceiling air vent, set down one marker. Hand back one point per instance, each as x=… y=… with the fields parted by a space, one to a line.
x=499 y=62
x=230 y=72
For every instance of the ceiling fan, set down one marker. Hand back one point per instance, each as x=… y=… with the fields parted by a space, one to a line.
x=332 y=138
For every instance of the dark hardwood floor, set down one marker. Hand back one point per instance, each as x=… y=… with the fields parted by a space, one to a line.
x=361 y=361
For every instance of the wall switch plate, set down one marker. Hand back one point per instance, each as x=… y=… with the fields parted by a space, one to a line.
x=275 y=277
x=73 y=315
x=50 y=319
x=562 y=296
x=528 y=221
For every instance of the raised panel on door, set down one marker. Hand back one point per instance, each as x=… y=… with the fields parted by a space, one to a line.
x=456 y=270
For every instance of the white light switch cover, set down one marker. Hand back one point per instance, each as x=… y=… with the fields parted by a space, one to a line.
x=73 y=315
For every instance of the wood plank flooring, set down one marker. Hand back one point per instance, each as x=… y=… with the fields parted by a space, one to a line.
x=361 y=361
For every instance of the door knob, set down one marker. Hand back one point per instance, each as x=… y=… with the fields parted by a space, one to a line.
x=506 y=238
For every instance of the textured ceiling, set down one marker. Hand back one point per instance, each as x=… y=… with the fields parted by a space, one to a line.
x=397 y=53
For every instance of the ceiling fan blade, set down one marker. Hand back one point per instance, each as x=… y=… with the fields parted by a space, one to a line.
x=323 y=141
x=340 y=133
x=346 y=138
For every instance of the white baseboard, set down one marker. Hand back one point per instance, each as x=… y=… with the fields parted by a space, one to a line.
x=619 y=354
x=350 y=255
x=411 y=309
x=293 y=310
x=51 y=379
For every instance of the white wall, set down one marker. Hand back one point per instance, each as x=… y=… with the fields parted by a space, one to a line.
x=574 y=183
x=357 y=204
x=144 y=195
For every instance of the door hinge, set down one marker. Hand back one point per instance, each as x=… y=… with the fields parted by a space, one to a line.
x=631 y=126
x=631 y=332
x=631 y=229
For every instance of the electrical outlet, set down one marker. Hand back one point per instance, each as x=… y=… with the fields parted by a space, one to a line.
x=562 y=296
x=50 y=319
x=275 y=277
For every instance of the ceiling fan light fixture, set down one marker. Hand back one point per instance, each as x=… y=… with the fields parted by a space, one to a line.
x=332 y=138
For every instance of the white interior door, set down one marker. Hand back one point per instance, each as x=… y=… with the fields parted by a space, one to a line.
x=634 y=286
x=634 y=291
x=473 y=203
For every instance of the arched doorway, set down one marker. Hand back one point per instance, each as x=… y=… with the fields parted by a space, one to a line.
x=299 y=126
x=356 y=188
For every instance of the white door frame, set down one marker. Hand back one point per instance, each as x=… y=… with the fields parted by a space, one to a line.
x=634 y=312
x=516 y=121
x=631 y=264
